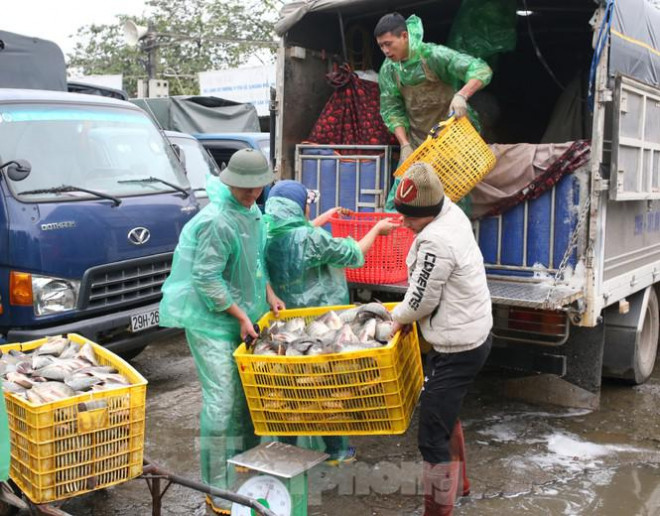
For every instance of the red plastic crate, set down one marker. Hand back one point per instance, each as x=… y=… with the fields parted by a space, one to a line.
x=386 y=260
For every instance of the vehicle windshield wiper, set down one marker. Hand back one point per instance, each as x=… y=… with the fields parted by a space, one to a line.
x=70 y=188
x=156 y=180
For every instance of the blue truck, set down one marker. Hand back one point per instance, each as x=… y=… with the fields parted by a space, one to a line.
x=92 y=200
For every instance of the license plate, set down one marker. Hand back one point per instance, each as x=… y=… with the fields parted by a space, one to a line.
x=144 y=320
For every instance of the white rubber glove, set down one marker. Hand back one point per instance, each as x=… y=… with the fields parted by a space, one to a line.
x=404 y=153
x=458 y=105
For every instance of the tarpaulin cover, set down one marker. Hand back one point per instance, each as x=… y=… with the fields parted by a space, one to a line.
x=635 y=41
x=352 y=114
x=31 y=63
x=201 y=114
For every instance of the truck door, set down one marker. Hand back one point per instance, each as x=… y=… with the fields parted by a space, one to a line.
x=635 y=171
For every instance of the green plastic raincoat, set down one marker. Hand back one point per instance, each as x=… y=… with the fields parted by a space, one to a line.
x=305 y=263
x=219 y=261
x=5 y=454
x=449 y=66
x=306 y=269
x=416 y=93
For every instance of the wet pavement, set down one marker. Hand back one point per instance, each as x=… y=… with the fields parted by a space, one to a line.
x=522 y=459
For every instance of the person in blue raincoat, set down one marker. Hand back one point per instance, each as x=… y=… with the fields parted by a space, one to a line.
x=217 y=289
x=306 y=269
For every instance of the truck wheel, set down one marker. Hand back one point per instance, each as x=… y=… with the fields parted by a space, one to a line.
x=647 y=345
x=631 y=339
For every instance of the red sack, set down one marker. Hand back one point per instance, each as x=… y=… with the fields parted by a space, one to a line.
x=352 y=114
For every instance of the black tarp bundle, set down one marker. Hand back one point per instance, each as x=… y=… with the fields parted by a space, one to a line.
x=31 y=63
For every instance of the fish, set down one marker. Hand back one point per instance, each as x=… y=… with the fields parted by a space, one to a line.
x=303 y=344
x=317 y=329
x=324 y=349
x=374 y=309
x=346 y=335
x=52 y=372
x=52 y=391
x=13 y=387
x=331 y=320
x=357 y=328
x=263 y=347
x=383 y=331
x=92 y=405
x=81 y=382
x=20 y=379
x=6 y=368
x=24 y=367
x=39 y=361
x=57 y=369
x=284 y=336
x=34 y=397
x=296 y=325
x=368 y=331
x=349 y=315
x=53 y=346
x=71 y=350
x=87 y=353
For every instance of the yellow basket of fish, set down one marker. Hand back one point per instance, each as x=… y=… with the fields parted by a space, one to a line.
x=459 y=156
x=331 y=371
x=76 y=416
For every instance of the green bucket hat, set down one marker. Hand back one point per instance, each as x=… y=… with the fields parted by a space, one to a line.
x=247 y=168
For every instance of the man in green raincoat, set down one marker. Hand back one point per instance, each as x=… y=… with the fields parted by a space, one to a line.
x=306 y=269
x=419 y=83
x=217 y=289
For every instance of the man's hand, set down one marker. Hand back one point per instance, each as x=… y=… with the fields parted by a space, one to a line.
x=386 y=226
x=276 y=304
x=405 y=329
x=247 y=329
x=458 y=105
x=327 y=215
x=405 y=151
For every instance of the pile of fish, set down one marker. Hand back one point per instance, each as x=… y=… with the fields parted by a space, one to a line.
x=354 y=329
x=58 y=369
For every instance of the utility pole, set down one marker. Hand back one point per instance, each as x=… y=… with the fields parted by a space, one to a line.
x=151 y=47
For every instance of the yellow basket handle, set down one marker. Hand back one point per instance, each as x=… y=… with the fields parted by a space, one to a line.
x=440 y=126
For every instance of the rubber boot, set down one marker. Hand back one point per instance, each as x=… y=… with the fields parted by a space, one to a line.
x=457 y=450
x=440 y=482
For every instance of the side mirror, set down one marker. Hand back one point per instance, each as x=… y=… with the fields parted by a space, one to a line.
x=18 y=169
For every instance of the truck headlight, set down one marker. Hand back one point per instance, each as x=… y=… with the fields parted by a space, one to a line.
x=54 y=295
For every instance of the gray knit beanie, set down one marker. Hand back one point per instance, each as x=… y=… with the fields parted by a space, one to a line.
x=420 y=192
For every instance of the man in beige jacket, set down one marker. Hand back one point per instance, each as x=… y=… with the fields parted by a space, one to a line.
x=448 y=297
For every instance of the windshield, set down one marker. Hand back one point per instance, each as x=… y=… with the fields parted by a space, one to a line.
x=96 y=148
x=198 y=163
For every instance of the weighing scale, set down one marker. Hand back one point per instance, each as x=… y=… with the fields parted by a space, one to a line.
x=275 y=474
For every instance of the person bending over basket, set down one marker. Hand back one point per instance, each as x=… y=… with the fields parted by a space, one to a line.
x=417 y=82
x=305 y=266
x=216 y=290
x=448 y=298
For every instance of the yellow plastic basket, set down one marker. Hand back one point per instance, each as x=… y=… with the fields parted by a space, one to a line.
x=358 y=393
x=458 y=155
x=59 y=450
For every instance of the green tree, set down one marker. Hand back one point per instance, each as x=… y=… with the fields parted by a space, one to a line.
x=195 y=34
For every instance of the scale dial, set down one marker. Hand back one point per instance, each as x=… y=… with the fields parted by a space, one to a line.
x=269 y=491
